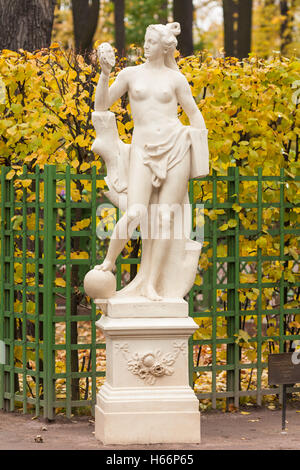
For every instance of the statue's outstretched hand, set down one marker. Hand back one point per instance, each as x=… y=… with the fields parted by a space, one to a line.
x=106 y=57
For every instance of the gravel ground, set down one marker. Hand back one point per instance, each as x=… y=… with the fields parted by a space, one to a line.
x=256 y=428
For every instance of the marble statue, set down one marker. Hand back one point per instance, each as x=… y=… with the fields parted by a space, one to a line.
x=154 y=170
x=146 y=397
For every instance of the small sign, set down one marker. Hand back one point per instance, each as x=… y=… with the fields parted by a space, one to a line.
x=283 y=369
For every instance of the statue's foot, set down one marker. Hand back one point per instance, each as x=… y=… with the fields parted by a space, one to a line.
x=106 y=266
x=151 y=293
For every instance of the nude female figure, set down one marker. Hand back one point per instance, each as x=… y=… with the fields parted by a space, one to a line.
x=155 y=88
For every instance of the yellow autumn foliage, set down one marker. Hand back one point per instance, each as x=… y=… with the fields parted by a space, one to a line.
x=250 y=109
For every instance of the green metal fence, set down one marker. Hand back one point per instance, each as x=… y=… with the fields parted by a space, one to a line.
x=235 y=316
x=55 y=355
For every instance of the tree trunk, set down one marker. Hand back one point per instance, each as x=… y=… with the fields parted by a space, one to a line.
x=237 y=27
x=244 y=28
x=26 y=24
x=183 y=13
x=85 y=20
x=163 y=14
x=286 y=26
x=230 y=14
x=119 y=26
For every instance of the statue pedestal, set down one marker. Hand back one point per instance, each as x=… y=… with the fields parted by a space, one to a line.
x=146 y=397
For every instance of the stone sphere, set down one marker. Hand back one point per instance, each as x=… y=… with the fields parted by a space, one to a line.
x=99 y=284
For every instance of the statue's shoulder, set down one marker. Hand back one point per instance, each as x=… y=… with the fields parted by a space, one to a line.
x=128 y=73
x=129 y=70
x=178 y=77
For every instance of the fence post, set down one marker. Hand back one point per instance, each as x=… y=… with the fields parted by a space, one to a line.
x=4 y=171
x=49 y=296
x=2 y=176
x=7 y=329
x=259 y=286
x=233 y=269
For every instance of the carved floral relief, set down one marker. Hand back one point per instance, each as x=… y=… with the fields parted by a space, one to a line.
x=148 y=366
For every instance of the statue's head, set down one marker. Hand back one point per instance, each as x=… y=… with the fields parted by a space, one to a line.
x=161 y=39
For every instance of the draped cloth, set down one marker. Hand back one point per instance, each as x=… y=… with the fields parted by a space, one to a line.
x=160 y=158
x=179 y=267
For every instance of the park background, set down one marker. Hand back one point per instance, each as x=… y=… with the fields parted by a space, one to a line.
x=241 y=59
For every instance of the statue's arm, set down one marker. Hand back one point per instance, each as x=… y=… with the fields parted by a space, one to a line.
x=107 y=95
x=186 y=100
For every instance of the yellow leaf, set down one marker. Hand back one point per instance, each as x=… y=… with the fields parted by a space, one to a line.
x=100 y=184
x=292 y=251
x=261 y=242
x=26 y=183
x=232 y=223
x=60 y=282
x=80 y=140
x=97 y=164
x=80 y=255
x=84 y=166
x=75 y=194
x=80 y=225
x=75 y=163
x=10 y=174
x=129 y=125
x=198 y=280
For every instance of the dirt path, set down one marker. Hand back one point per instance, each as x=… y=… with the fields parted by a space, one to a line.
x=260 y=429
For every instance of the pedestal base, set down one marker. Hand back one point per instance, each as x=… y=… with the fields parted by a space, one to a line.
x=147 y=427
x=146 y=397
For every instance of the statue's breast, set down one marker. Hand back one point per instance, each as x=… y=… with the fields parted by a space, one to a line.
x=163 y=95
x=160 y=94
x=139 y=93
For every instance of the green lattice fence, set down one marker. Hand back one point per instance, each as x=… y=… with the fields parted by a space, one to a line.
x=55 y=356
x=232 y=374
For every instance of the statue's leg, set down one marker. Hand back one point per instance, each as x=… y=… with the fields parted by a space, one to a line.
x=139 y=193
x=117 y=242
x=171 y=194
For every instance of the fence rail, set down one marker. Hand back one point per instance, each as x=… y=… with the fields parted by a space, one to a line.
x=55 y=356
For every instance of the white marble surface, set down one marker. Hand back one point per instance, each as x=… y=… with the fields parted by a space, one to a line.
x=146 y=397
x=141 y=307
x=148 y=178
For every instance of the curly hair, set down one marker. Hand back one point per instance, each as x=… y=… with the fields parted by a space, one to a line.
x=167 y=34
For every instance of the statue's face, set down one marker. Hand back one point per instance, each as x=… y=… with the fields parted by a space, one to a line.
x=152 y=45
